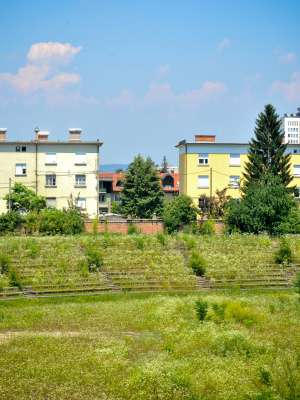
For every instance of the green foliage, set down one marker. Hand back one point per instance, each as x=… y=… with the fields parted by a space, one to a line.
x=14 y=278
x=162 y=239
x=139 y=242
x=189 y=241
x=95 y=226
x=267 y=152
x=284 y=254
x=24 y=199
x=297 y=283
x=142 y=196
x=207 y=227
x=291 y=224
x=214 y=206
x=5 y=263
x=201 y=309
x=116 y=208
x=10 y=222
x=265 y=206
x=179 y=212
x=198 y=264
x=64 y=222
x=132 y=229
x=94 y=259
x=32 y=222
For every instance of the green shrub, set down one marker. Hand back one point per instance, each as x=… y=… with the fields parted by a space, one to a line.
x=95 y=226
x=61 y=222
x=161 y=238
x=178 y=213
x=14 y=279
x=219 y=310
x=10 y=222
x=197 y=263
x=94 y=259
x=284 y=254
x=132 y=229
x=207 y=227
x=4 y=263
x=32 y=222
x=201 y=309
x=189 y=241
x=140 y=244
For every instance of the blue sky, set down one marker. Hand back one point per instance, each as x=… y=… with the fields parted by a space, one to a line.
x=141 y=76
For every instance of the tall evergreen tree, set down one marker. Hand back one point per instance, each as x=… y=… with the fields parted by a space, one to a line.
x=267 y=152
x=142 y=196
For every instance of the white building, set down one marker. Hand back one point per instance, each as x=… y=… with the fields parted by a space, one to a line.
x=61 y=171
x=291 y=125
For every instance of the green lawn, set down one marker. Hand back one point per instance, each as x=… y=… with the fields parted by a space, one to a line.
x=126 y=346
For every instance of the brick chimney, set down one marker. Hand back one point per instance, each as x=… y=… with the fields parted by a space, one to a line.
x=3 y=132
x=205 y=138
x=42 y=136
x=75 y=134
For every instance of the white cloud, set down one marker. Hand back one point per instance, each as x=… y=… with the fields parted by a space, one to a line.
x=290 y=90
x=287 y=58
x=49 y=52
x=39 y=73
x=163 y=95
x=224 y=44
x=125 y=98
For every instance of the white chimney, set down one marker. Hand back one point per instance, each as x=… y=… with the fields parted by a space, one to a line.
x=42 y=136
x=75 y=134
x=3 y=132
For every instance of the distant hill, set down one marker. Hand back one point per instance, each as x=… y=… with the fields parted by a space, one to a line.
x=112 y=167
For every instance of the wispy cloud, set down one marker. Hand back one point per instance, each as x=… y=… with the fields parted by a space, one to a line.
x=287 y=58
x=163 y=71
x=162 y=94
x=224 y=43
x=41 y=72
x=291 y=89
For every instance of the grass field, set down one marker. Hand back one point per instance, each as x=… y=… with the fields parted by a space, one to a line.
x=151 y=346
x=58 y=264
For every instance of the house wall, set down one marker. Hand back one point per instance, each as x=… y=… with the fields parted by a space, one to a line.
x=218 y=168
x=65 y=171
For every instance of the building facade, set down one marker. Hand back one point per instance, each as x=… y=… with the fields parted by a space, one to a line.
x=206 y=166
x=291 y=125
x=111 y=186
x=61 y=171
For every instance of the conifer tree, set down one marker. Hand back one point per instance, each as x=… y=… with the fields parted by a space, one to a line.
x=142 y=196
x=267 y=152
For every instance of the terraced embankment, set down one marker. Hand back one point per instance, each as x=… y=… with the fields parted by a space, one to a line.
x=46 y=266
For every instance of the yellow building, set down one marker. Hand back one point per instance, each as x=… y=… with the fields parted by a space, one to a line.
x=206 y=166
x=61 y=171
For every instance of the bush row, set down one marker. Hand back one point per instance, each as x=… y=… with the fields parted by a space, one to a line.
x=47 y=222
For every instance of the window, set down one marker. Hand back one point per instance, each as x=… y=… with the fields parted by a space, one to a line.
x=81 y=203
x=50 y=159
x=80 y=180
x=21 y=148
x=235 y=160
x=51 y=202
x=203 y=181
x=102 y=198
x=203 y=159
x=21 y=170
x=297 y=170
x=80 y=158
x=51 y=180
x=234 y=181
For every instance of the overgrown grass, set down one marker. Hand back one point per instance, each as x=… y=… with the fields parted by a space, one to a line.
x=151 y=347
